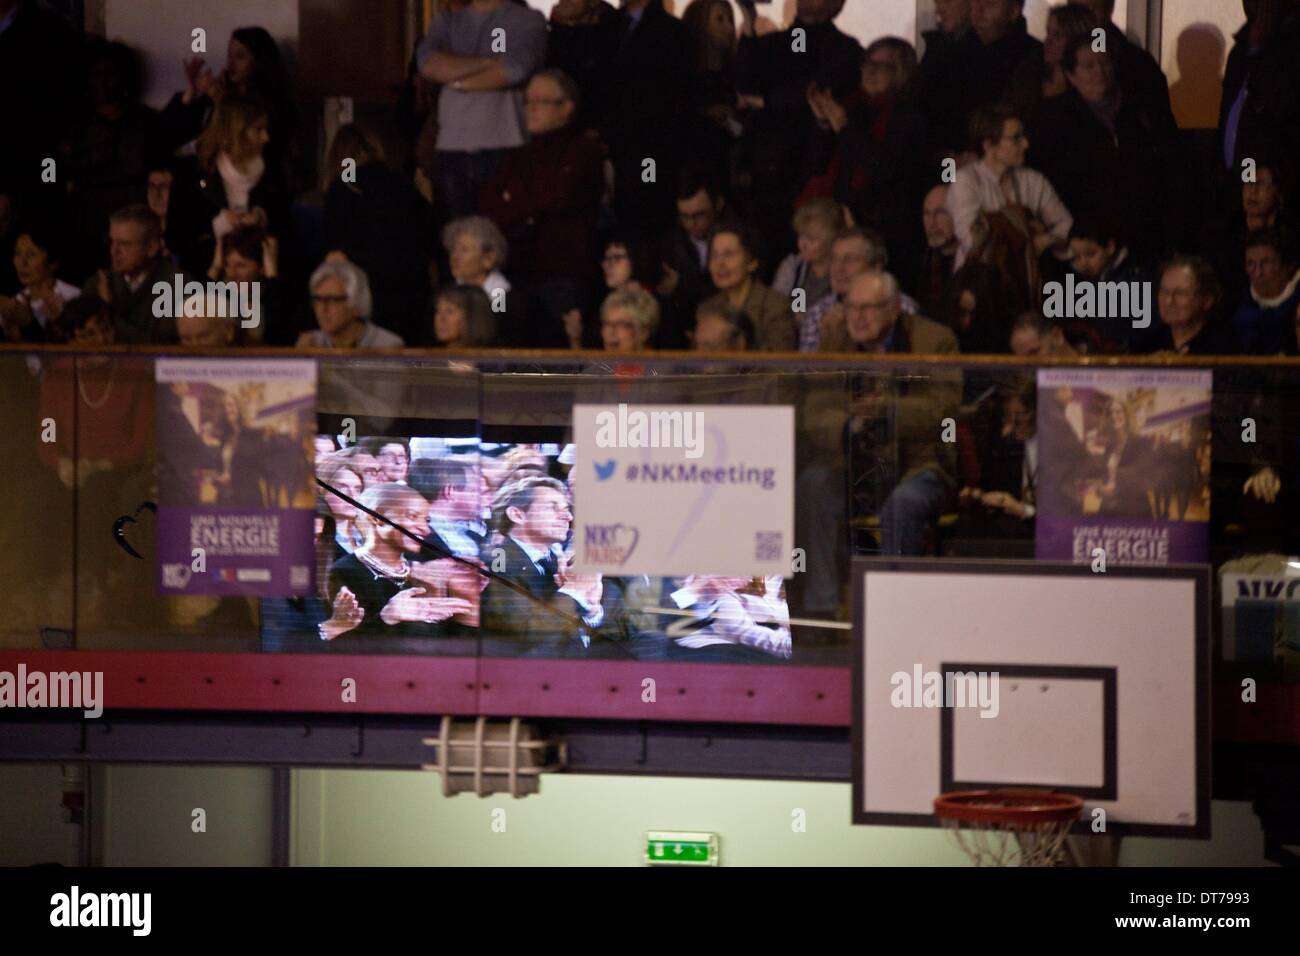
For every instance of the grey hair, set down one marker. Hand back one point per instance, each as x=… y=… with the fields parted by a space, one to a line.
x=354 y=282
x=481 y=228
x=636 y=300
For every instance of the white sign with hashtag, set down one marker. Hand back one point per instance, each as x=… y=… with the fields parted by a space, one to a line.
x=683 y=489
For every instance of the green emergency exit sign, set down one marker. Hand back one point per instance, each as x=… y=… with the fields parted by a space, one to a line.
x=671 y=848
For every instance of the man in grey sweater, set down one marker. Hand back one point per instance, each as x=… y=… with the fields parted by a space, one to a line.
x=482 y=54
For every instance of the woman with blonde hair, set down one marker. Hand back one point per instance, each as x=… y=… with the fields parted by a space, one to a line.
x=232 y=185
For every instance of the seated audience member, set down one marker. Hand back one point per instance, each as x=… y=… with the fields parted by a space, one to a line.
x=480 y=106
x=1188 y=298
x=1265 y=319
x=1097 y=254
x=685 y=280
x=379 y=221
x=1263 y=205
x=207 y=330
x=854 y=251
x=733 y=265
x=339 y=474
x=628 y=319
x=627 y=261
x=979 y=68
x=232 y=186
x=1003 y=505
x=477 y=253
x=135 y=250
x=533 y=517
x=1003 y=213
x=248 y=255
x=721 y=327
x=899 y=415
x=376 y=590
x=1034 y=334
x=158 y=190
x=462 y=318
x=1111 y=154
x=545 y=197
x=868 y=155
x=936 y=269
x=454 y=491
x=731 y=626
x=816 y=223
x=31 y=314
x=340 y=297
x=976 y=309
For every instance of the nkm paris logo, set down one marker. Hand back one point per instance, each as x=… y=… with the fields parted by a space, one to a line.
x=640 y=429
x=609 y=544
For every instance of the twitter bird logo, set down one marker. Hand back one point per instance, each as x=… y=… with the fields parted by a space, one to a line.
x=604 y=471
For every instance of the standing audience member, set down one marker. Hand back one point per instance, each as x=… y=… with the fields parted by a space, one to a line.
x=867 y=156
x=382 y=224
x=776 y=71
x=1042 y=77
x=480 y=107
x=249 y=255
x=643 y=120
x=978 y=69
x=1140 y=76
x=1259 y=113
x=713 y=127
x=545 y=197
x=254 y=70
x=232 y=186
x=733 y=264
x=1110 y=154
x=584 y=41
x=340 y=297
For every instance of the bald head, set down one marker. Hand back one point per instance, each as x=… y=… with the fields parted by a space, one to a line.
x=203 y=331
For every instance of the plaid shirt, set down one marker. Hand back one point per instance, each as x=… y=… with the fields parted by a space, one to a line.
x=810 y=323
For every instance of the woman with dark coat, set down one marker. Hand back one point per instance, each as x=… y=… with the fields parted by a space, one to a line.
x=232 y=184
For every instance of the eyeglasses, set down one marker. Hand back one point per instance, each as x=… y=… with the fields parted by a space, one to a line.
x=329 y=299
x=861 y=307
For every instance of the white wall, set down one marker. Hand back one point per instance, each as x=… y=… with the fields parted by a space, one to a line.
x=161 y=32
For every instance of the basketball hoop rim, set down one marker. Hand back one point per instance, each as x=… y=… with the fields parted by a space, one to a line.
x=1016 y=808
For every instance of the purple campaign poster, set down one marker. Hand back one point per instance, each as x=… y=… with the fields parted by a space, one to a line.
x=236 y=506
x=1123 y=466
